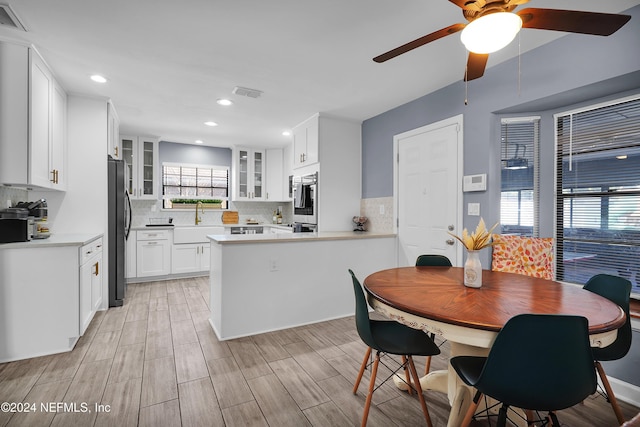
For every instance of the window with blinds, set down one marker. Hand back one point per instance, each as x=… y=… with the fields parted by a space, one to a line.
x=598 y=192
x=183 y=181
x=519 y=138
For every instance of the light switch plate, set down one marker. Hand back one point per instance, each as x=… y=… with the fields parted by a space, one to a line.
x=473 y=209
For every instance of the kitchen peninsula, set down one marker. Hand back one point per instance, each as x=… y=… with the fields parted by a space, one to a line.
x=267 y=282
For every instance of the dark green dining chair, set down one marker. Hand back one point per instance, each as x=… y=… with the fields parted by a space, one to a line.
x=432 y=260
x=617 y=290
x=555 y=374
x=388 y=337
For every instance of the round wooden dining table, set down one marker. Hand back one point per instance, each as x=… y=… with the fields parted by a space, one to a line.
x=435 y=300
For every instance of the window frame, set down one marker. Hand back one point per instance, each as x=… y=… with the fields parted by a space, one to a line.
x=165 y=197
x=603 y=194
x=535 y=157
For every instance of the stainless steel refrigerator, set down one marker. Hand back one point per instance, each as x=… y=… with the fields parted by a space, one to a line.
x=119 y=226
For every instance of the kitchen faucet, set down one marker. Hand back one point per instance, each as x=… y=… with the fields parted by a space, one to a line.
x=198 y=219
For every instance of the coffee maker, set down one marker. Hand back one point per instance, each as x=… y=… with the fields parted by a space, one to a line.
x=38 y=213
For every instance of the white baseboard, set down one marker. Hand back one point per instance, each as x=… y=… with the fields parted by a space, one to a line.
x=624 y=391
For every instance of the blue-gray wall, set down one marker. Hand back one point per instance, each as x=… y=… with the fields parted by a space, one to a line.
x=194 y=154
x=571 y=71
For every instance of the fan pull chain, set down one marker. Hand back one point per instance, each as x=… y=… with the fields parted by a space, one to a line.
x=519 y=63
x=466 y=80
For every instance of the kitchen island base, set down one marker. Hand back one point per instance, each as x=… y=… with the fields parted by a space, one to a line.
x=263 y=286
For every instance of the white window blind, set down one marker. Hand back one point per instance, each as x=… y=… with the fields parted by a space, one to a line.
x=598 y=192
x=519 y=201
x=185 y=181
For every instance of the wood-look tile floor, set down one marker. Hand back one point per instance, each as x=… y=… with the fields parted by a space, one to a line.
x=156 y=362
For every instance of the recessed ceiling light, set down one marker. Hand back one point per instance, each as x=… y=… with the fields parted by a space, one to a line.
x=98 y=78
x=621 y=157
x=199 y=141
x=286 y=133
x=210 y=123
x=225 y=102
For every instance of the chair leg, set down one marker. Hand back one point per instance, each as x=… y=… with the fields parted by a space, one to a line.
x=367 y=354
x=414 y=373
x=554 y=419
x=610 y=395
x=528 y=413
x=472 y=410
x=427 y=365
x=372 y=384
x=406 y=375
x=502 y=416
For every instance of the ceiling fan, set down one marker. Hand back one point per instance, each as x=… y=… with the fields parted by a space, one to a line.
x=494 y=20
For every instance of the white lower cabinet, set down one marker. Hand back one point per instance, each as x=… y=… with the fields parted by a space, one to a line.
x=153 y=253
x=191 y=249
x=90 y=282
x=190 y=258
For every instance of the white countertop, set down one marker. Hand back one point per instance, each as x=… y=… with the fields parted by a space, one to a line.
x=295 y=237
x=75 y=239
x=244 y=225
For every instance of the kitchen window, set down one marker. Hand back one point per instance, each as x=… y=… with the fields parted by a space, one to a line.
x=185 y=182
x=598 y=192
x=519 y=138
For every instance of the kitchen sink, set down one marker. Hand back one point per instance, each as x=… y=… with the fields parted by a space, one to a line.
x=195 y=233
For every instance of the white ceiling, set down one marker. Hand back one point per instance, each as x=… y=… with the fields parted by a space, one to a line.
x=169 y=61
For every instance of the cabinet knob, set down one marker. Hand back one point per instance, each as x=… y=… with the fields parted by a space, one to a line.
x=115 y=150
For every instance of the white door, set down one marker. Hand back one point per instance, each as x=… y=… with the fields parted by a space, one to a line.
x=428 y=181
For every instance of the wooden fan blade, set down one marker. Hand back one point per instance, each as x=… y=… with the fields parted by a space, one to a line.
x=573 y=21
x=419 y=42
x=476 y=64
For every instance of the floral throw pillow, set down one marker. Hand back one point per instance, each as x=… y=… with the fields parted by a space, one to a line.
x=532 y=256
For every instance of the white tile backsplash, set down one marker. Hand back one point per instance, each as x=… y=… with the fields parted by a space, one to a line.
x=142 y=210
x=378 y=222
x=12 y=195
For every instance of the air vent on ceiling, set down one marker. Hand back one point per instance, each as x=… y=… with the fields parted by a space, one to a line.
x=8 y=18
x=245 y=91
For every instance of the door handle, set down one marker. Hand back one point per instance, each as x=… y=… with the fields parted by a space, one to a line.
x=450 y=242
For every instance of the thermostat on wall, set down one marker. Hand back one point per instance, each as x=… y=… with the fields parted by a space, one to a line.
x=474 y=182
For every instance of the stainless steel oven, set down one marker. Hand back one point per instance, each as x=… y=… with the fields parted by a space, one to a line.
x=304 y=189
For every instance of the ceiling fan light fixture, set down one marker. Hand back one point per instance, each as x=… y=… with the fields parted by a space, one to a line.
x=490 y=33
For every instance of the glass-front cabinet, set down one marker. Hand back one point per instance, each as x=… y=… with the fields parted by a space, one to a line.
x=141 y=157
x=249 y=174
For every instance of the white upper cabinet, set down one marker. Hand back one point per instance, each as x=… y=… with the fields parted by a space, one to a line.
x=276 y=182
x=249 y=174
x=141 y=156
x=113 y=132
x=33 y=121
x=305 y=143
x=58 y=153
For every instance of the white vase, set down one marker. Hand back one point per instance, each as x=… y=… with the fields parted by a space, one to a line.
x=473 y=270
